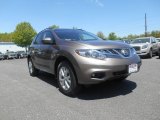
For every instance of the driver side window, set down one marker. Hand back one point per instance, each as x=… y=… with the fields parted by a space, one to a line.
x=49 y=34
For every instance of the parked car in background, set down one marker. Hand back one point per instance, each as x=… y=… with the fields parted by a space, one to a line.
x=78 y=58
x=128 y=41
x=21 y=54
x=10 y=55
x=145 y=46
x=123 y=41
x=158 y=40
x=1 y=56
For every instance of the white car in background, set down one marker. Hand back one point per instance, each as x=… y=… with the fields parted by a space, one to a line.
x=158 y=40
x=10 y=55
x=1 y=56
x=145 y=46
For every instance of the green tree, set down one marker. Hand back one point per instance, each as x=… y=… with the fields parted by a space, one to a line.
x=112 y=36
x=5 y=37
x=54 y=26
x=101 y=35
x=131 y=36
x=155 y=34
x=23 y=34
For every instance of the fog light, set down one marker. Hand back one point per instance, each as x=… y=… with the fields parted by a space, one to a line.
x=98 y=75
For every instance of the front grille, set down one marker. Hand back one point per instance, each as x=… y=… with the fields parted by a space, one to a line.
x=137 y=48
x=125 y=52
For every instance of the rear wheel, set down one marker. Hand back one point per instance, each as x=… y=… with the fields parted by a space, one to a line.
x=67 y=79
x=32 y=70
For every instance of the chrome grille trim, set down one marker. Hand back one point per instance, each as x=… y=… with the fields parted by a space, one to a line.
x=118 y=52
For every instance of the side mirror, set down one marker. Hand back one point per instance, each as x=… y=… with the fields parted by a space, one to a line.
x=47 y=41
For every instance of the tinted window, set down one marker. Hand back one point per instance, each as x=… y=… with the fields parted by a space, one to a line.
x=67 y=35
x=86 y=36
x=75 y=35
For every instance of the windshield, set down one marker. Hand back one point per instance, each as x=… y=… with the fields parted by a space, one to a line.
x=75 y=35
x=146 y=40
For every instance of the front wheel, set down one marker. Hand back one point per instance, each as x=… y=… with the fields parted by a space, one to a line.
x=32 y=70
x=150 y=54
x=67 y=79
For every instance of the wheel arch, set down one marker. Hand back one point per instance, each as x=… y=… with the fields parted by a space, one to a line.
x=64 y=58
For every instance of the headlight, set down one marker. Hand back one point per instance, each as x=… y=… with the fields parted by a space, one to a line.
x=144 y=46
x=92 y=54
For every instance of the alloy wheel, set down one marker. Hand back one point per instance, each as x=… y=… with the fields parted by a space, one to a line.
x=30 y=66
x=65 y=78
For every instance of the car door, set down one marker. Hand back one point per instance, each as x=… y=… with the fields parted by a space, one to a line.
x=154 y=44
x=35 y=50
x=48 y=52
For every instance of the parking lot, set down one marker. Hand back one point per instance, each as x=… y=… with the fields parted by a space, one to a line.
x=37 y=98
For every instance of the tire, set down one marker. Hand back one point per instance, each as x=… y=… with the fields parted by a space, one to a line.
x=66 y=79
x=32 y=70
x=150 y=54
x=159 y=54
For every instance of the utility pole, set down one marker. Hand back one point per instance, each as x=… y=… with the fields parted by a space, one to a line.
x=145 y=25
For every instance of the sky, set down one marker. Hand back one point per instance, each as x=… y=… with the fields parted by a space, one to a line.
x=123 y=17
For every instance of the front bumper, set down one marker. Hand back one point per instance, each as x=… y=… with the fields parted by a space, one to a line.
x=140 y=51
x=92 y=71
x=1 y=57
x=11 y=56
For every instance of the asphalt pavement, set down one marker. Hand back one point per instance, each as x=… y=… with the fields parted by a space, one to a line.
x=23 y=97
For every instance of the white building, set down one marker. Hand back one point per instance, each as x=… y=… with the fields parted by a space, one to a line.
x=10 y=46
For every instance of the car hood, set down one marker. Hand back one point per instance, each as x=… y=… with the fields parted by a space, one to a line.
x=139 y=44
x=101 y=44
